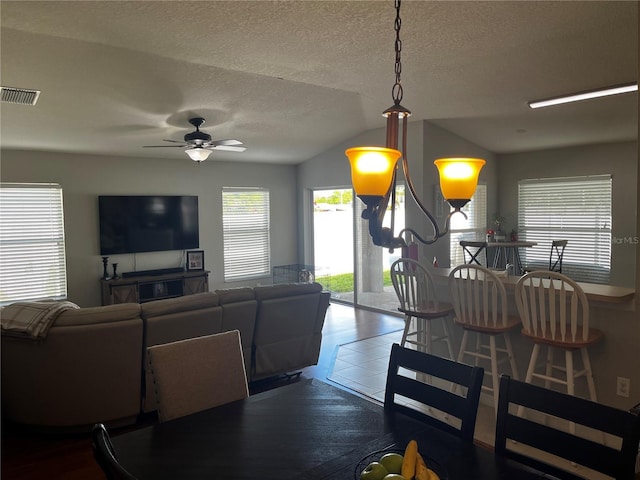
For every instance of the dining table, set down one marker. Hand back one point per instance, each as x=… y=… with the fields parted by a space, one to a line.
x=307 y=430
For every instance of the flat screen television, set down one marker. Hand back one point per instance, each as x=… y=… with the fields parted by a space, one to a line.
x=151 y=223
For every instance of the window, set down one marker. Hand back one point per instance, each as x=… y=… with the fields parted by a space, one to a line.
x=245 y=221
x=32 y=256
x=577 y=209
x=474 y=228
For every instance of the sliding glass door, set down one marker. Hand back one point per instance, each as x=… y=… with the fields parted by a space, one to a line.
x=333 y=241
x=373 y=263
x=339 y=231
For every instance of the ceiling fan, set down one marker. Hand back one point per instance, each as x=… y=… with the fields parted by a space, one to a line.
x=200 y=144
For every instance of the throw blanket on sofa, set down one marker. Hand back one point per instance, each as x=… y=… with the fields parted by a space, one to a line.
x=31 y=320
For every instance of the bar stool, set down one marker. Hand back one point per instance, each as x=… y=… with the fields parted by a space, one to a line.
x=472 y=252
x=556 y=255
x=480 y=303
x=555 y=314
x=416 y=292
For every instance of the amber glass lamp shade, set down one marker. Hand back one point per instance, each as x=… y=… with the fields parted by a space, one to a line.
x=372 y=169
x=459 y=177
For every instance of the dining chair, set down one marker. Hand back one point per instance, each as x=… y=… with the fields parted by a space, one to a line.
x=555 y=315
x=480 y=303
x=198 y=373
x=521 y=437
x=474 y=251
x=419 y=303
x=406 y=366
x=105 y=455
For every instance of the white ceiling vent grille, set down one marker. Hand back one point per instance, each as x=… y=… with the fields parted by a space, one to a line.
x=19 y=96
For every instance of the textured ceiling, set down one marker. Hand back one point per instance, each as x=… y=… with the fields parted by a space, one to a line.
x=293 y=78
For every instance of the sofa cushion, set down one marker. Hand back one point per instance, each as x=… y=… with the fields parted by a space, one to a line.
x=286 y=290
x=85 y=372
x=92 y=315
x=232 y=295
x=177 y=319
x=197 y=301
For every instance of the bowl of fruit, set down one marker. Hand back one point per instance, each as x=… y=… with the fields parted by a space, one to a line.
x=397 y=464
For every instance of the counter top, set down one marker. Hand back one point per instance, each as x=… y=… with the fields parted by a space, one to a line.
x=594 y=291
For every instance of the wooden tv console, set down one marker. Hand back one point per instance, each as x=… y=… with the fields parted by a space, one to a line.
x=133 y=289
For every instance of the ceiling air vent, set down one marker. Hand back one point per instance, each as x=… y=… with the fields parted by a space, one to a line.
x=19 y=96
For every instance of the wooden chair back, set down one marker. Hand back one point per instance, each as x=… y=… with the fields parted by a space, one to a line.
x=105 y=455
x=479 y=297
x=444 y=399
x=474 y=251
x=553 y=307
x=198 y=373
x=513 y=431
x=414 y=286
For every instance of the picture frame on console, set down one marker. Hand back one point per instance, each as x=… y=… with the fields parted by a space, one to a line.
x=195 y=260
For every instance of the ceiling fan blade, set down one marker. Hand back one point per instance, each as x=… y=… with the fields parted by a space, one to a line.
x=225 y=142
x=174 y=141
x=228 y=148
x=162 y=146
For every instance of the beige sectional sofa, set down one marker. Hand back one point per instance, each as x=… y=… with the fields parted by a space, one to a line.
x=91 y=367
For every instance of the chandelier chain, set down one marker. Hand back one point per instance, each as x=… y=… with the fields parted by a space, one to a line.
x=396 y=91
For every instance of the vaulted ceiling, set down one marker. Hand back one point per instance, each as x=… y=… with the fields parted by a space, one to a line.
x=292 y=78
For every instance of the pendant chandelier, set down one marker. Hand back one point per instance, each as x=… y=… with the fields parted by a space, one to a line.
x=374 y=171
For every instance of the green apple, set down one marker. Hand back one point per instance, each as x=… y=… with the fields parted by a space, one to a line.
x=392 y=462
x=394 y=476
x=374 y=471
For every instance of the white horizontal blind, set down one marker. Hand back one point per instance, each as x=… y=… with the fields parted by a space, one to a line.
x=577 y=209
x=32 y=254
x=246 y=231
x=474 y=228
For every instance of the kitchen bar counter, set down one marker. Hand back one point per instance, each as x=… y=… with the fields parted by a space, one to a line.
x=595 y=292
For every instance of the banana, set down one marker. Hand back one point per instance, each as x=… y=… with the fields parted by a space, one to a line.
x=422 y=472
x=433 y=475
x=409 y=460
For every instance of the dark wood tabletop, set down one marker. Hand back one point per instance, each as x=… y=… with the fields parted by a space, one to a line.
x=308 y=430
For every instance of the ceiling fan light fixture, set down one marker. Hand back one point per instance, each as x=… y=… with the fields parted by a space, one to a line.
x=576 y=97
x=198 y=154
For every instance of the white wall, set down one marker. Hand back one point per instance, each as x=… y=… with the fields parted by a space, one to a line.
x=84 y=177
x=620 y=160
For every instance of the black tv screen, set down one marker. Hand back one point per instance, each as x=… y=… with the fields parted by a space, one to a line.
x=132 y=224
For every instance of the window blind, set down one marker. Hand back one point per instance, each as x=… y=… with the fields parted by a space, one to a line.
x=245 y=219
x=32 y=250
x=474 y=228
x=577 y=209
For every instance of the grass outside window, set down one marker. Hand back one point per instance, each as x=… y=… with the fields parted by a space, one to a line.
x=343 y=282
